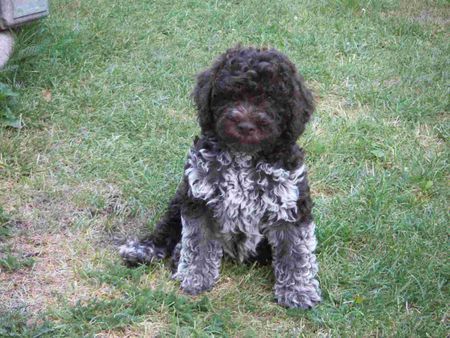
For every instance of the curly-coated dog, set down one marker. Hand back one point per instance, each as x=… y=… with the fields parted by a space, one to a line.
x=244 y=191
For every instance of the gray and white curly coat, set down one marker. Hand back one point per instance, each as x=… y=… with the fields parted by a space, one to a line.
x=244 y=191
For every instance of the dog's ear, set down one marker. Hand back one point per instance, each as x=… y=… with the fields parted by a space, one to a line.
x=202 y=99
x=302 y=107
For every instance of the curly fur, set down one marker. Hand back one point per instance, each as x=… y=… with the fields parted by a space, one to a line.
x=245 y=191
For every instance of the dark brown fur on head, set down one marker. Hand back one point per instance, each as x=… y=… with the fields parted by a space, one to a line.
x=253 y=99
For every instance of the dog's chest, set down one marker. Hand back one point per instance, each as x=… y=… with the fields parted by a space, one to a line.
x=244 y=195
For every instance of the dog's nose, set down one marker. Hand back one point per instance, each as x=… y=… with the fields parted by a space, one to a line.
x=246 y=128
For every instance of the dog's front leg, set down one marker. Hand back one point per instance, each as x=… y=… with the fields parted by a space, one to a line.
x=295 y=264
x=201 y=253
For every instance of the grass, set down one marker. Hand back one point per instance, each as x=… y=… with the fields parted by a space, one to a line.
x=104 y=101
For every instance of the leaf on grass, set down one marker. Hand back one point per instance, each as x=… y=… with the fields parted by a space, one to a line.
x=378 y=153
x=359 y=299
x=8 y=119
x=47 y=95
x=428 y=185
x=6 y=91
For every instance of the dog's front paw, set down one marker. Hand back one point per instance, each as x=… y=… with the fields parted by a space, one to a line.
x=135 y=252
x=299 y=296
x=196 y=283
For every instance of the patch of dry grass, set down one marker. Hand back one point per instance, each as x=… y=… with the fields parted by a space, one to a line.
x=423 y=12
x=62 y=229
x=58 y=259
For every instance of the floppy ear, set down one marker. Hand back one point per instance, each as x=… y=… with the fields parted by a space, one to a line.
x=302 y=107
x=202 y=98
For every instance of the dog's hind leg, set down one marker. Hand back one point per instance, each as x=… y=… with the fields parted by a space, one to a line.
x=176 y=254
x=162 y=241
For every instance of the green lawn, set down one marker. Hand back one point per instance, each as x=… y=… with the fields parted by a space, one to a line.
x=104 y=96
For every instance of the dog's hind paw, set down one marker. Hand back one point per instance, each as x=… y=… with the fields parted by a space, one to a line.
x=134 y=253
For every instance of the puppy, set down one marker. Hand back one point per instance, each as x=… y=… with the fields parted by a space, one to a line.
x=244 y=191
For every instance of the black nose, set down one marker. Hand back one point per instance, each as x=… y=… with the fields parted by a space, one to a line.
x=246 y=128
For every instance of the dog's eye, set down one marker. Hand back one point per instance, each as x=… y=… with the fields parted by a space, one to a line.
x=233 y=117
x=263 y=122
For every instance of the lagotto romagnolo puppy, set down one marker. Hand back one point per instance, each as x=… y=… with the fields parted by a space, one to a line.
x=244 y=191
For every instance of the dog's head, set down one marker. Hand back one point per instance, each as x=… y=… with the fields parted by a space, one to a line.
x=252 y=98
